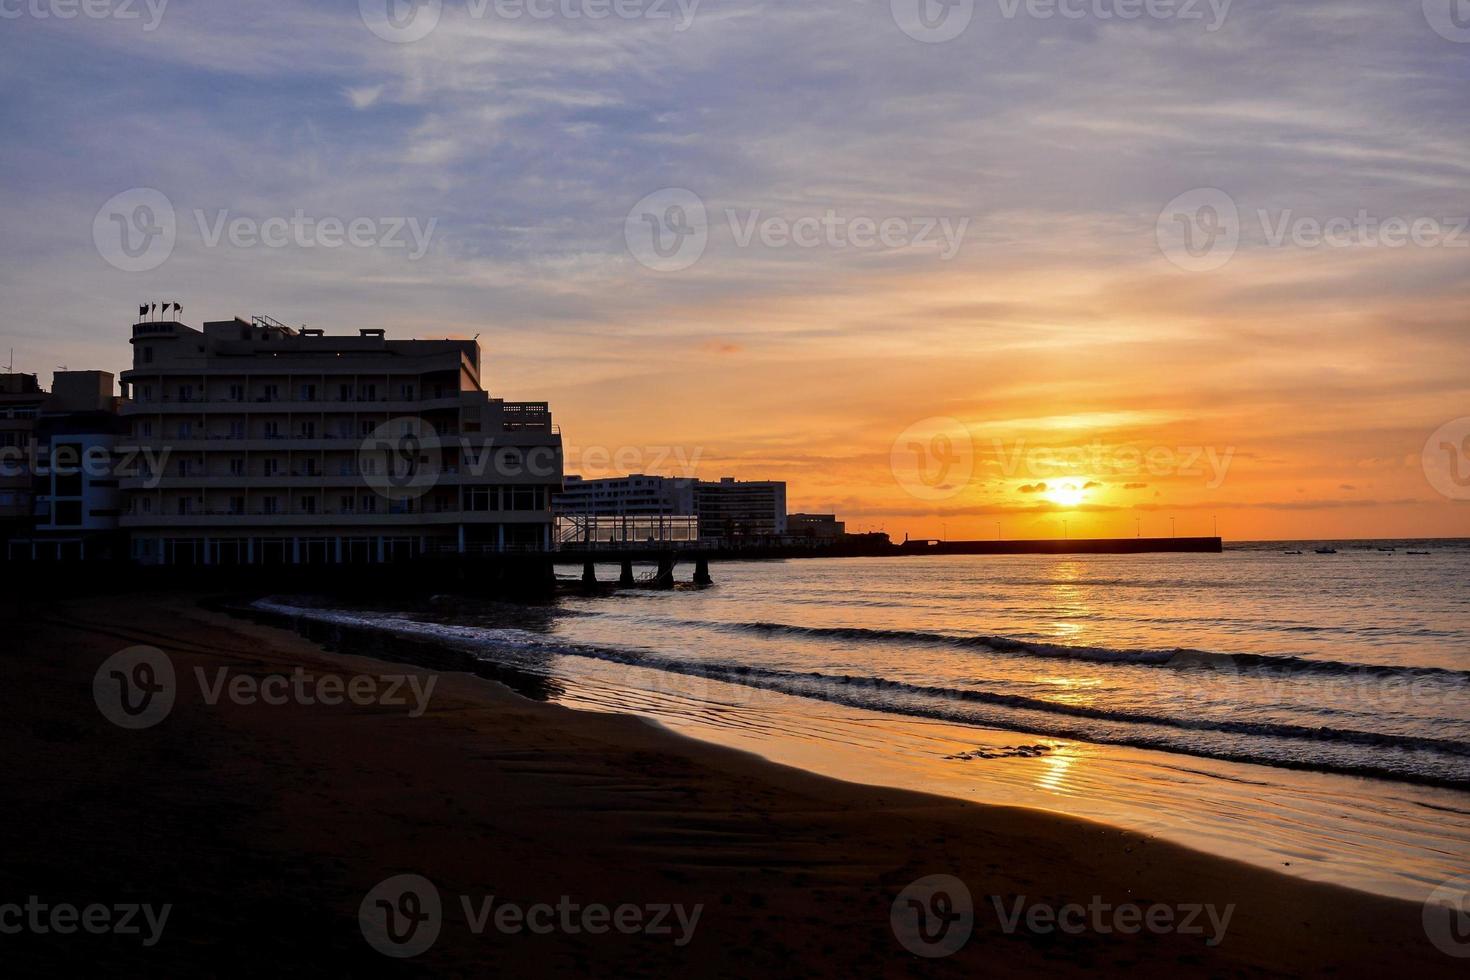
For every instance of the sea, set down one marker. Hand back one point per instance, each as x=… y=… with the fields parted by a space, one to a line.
x=1297 y=709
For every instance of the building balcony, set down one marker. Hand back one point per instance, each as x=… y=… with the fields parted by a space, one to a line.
x=168 y=406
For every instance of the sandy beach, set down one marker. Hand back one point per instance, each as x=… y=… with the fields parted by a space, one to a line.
x=265 y=825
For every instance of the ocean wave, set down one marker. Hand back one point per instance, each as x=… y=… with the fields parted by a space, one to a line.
x=1247 y=741
x=1178 y=657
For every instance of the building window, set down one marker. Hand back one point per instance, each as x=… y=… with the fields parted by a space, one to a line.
x=270 y=505
x=308 y=393
x=308 y=505
x=237 y=466
x=237 y=393
x=406 y=392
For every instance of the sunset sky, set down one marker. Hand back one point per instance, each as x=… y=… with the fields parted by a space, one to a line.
x=1288 y=392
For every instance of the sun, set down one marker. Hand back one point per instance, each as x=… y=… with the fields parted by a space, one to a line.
x=1066 y=494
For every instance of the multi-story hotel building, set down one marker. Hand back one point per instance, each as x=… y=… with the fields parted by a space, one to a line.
x=264 y=444
x=732 y=509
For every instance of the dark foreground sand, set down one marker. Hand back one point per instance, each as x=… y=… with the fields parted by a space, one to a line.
x=264 y=826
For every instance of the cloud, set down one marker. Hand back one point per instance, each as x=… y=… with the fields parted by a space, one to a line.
x=1033 y=488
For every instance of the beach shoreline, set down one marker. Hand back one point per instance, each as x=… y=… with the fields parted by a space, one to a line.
x=485 y=792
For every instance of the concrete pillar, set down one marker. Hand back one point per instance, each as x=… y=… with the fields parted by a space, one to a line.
x=625 y=579
x=461 y=539
x=589 y=573
x=664 y=579
x=250 y=551
x=701 y=572
x=295 y=551
x=500 y=537
x=338 y=549
x=381 y=555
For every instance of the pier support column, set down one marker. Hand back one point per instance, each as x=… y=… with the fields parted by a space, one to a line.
x=665 y=577
x=625 y=579
x=589 y=573
x=701 y=572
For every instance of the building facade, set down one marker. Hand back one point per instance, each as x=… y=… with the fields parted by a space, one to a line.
x=21 y=396
x=258 y=443
x=815 y=527
x=733 y=509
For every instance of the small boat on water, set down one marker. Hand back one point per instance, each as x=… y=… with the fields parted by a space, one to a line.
x=1326 y=551
x=1390 y=550
x=1418 y=552
x=1291 y=552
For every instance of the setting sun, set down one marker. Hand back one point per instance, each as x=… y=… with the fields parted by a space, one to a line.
x=1066 y=494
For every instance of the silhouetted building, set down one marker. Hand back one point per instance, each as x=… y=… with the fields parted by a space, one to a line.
x=733 y=509
x=20 y=401
x=820 y=527
x=279 y=445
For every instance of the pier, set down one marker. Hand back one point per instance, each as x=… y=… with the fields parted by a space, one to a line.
x=1064 y=546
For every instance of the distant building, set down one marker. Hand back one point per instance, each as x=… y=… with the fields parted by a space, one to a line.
x=636 y=494
x=630 y=509
x=820 y=527
x=71 y=467
x=732 y=509
x=726 y=510
x=276 y=445
x=21 y=396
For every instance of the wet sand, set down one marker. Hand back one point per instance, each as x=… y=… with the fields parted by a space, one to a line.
x=265 y=825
